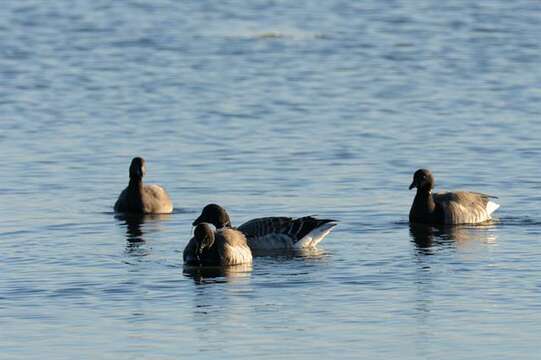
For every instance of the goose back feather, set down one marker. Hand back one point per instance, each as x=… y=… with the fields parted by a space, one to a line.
x=286 y=233
x=463 y=207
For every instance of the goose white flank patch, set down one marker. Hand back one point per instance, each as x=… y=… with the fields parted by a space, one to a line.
x=270 y=233
x=491 y=207
x=458 y=207
x=139 y=198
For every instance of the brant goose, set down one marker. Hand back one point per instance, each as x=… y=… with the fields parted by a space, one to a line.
x=138 y=198
x=449 y=207
x=272 y=233
x=216 y=248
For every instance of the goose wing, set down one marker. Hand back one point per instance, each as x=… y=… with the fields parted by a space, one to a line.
x=463 y=207
x=286 y=232
x=156 y=199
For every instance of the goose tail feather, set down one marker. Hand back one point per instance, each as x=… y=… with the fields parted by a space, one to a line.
x=491 y=207
x=315 y=235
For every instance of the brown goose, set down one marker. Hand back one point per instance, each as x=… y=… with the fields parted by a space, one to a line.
x=270 y=233
x=216 y=248
x=447 y=208
x=138 y=198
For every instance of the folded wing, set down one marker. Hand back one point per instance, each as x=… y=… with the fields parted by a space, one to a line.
x=465 y=207
x=285 y=232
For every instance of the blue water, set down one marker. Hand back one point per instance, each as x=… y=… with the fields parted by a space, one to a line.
x=269 y=108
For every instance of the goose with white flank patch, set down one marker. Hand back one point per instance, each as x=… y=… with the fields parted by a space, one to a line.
x=451 y=208
x=272 y=233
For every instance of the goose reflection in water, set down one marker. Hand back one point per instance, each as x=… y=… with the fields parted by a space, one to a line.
x=217 y=274
x=135 y=228
x=222 y=274
x=429 y=237
x=289 y=254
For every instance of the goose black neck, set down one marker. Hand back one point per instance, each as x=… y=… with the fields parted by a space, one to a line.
x=424 y=192
x=136 y=183
x=424 y=199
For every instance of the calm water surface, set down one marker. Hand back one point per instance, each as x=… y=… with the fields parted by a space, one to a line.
x=269 y=108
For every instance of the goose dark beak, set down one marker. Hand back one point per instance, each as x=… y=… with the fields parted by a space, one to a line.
x=413 y=185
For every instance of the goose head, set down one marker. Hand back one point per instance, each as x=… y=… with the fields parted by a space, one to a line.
x=215 y=215
x=422 y=180
x=204 y=238
x=137 y=168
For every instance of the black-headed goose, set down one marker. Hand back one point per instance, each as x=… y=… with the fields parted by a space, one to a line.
x=138 y=198
x=449 y=207
x=216 y=248
x=272 y=233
